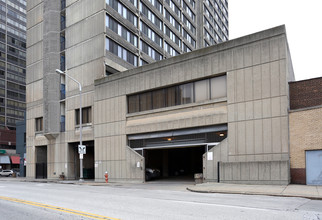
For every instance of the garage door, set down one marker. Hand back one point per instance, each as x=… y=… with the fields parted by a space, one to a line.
x=314 y=167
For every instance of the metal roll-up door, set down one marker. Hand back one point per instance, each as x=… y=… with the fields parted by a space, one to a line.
x=314 y=167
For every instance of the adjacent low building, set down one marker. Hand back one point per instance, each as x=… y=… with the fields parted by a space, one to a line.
x=306 y=131
x=221 y=111
x=8 y=157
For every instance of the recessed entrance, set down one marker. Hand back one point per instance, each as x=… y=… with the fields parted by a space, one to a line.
x=88 y=161
x=41 y=162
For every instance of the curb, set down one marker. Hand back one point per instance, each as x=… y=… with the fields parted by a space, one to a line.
x=254 y=193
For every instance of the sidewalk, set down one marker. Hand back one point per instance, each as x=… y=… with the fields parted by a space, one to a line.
x=75 y=182
x=292 y=190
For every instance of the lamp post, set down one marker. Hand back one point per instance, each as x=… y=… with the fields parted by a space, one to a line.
x=80 y=124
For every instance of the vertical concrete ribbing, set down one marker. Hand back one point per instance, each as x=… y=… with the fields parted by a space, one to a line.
x=51 y=50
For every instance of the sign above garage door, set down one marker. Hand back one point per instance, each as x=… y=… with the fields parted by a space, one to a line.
x=184 y=137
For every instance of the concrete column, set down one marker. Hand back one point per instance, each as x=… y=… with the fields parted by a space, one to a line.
x=51 y=61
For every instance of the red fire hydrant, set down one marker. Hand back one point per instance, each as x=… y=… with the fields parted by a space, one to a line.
x=106 y=177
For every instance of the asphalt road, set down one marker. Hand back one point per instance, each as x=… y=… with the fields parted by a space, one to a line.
x=26 y=200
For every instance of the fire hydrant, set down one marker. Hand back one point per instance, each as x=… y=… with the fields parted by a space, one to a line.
x=106 y=177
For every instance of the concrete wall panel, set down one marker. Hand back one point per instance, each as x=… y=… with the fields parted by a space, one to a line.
x=80 y=10
x=249 y=108
x=177 y=119
x=272 y=172
x=30 y=159
x=86 y=52
x=35 y=34
x=231 y=87
x=69 y=2
x=283 y=74
x=241 y=138
x=258 y=109
x=240 y=85
x=276 y=106
x=34 y=53
x=266 y=81
x=275 y=78
x=248 y=84
x=256 y=53
x=248 y=56
x=35 y=14
x=85 y=74
x=34 y=91
x=32 y=3
x=276 y=135
x=35 y=72
x=85 y=29
x=267 y=135
x=258 y=136
x=257 y=82
x=264 y=52
x=249 y=137
x=266 y=107
x=238 y=57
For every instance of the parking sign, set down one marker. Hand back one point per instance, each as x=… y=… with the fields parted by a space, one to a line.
x=81 y=149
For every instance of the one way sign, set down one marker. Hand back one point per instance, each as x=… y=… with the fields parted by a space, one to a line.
x=81 y=149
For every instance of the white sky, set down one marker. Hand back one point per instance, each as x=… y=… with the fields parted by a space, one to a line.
x=303 y=20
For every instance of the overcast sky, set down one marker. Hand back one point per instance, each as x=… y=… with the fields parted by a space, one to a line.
x=303 y=20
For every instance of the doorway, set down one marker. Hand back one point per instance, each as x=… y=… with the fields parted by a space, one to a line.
x=88 y=161
x=314 y=167
x=41 y=162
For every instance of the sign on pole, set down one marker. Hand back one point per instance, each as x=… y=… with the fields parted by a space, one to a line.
x=81 y=149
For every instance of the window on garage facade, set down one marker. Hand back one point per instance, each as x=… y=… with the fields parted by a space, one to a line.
x=39 y=124
x=86 y=115
x=193 y=92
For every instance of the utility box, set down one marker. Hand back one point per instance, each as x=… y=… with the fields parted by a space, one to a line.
x=198 y=178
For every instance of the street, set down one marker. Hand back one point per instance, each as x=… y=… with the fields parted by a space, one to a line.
x=154 y=200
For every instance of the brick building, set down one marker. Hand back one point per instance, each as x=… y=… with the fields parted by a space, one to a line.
x=306 y=131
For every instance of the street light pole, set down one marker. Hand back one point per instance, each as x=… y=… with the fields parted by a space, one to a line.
x=80 y=122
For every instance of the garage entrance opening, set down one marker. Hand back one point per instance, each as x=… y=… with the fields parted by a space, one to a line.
x=174 y=163
x=176 y=154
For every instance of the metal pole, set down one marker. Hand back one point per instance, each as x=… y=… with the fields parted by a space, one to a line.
x=206 y=173
x=80 y=133
x=80 y=123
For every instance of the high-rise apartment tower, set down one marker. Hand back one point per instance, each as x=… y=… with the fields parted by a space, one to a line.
x=150 y=30
x=12 y=62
